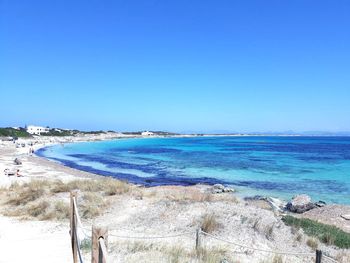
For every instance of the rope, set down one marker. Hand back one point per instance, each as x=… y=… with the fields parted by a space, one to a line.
x=80 y=225
x=257 y=249
x=329 y=258
x=78 y=246
x=104 y=249
x=150 y=237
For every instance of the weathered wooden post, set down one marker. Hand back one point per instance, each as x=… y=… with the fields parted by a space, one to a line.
x=96 y=253
x=198 y=239
x=318 y=256
x=73 y=225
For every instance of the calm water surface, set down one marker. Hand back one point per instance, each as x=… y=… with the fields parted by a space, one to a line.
x=274 y=166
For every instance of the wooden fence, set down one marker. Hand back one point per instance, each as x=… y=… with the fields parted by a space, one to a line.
x=99 y=240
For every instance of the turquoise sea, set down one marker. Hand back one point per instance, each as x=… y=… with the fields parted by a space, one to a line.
x=273 y=166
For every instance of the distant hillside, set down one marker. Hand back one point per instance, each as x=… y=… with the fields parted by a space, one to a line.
x=22 y=133
x=12 y=132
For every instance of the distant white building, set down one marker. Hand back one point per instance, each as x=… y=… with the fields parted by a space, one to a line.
x=37 y=130
x=147 y=133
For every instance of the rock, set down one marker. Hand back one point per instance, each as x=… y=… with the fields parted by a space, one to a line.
x=300 y=204
x=255 y=198
x=320 y=204
x=277 y=205
x=219 y=188
x=17 y=161
x=346 y=217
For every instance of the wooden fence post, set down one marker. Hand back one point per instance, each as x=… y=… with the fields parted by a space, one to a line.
x=318 y=256
x=73 y=225
x=198 y=239
x=96 y=253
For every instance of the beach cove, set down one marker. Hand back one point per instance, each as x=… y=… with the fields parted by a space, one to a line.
x=151 y=211
x=275 y=166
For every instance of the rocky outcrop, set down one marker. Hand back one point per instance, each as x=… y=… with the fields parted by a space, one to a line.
x=219 y=188
x=300 y=204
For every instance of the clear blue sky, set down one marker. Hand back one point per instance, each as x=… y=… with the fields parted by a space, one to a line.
x=176 y=65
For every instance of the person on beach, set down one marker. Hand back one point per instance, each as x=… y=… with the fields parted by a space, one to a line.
x=18 y=174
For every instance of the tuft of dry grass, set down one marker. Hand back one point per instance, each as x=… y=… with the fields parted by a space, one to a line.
x=21 y=195
x=343 y=256
x=38 y=209
x=108 y=186
x=299 y=237
x=37 y=199
x=93 y=205
x=61 y=210
x=209 y=223
x=212 y=255
x=268 y=231
x=273 y=259
x=256 y=224
x=41 y=210
x=115 y=187
x=192 y=195
x=176 y=253
x=312 y=242
x=60 y=187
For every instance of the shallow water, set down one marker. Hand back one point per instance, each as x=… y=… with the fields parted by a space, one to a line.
x=275 y=166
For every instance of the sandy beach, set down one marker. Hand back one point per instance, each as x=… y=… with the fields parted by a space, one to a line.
x=137 y=212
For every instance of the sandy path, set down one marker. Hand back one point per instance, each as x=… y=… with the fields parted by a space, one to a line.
x=34 y=241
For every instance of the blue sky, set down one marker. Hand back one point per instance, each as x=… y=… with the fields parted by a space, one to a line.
x=176 y=65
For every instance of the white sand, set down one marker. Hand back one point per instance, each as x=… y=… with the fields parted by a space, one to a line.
x=34 y=241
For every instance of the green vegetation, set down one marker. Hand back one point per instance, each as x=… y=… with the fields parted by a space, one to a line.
x=63 y=132
x=330 y=235
x=12 y=132
x=58 y=132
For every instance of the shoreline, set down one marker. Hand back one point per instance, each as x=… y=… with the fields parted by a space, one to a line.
x=244 y=189
x=46 y=142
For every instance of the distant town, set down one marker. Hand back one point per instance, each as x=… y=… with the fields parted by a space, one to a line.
x=9 y=133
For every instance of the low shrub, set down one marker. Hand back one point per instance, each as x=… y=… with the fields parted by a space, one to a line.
x=209 y=223
x=325 y=233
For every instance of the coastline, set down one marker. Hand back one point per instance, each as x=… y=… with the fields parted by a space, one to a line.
x=147 y=210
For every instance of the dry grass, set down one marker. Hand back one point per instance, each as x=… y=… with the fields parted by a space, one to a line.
x=107 y=186
x=268 y=231
x=189 y=196
x=29 y=192
x=299 y=237
x=209 y=223
x=93 y=205
x=61 y=210
x=41 y=210
x=273 y=259
x=343 y=256
x=212 y=255
x=38 y=198
x=157 y=252
x=256 y=224
x=38 y=209
x=312 y=242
